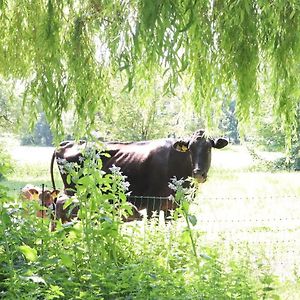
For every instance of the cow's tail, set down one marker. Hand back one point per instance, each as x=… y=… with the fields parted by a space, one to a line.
x=51 y=170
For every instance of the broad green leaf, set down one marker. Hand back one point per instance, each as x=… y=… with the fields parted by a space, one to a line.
x=69 y=178
x=29 y=253
x=66 y=259
x=68 y=202
x=5 y=218
x=185 y=206
x=185 y=236
x=192 y=219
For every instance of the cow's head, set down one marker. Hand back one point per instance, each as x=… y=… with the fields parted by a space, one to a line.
x=199 y=147
x=45 y=198
x=48 y=198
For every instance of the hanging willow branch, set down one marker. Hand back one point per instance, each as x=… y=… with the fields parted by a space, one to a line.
x=67 y=52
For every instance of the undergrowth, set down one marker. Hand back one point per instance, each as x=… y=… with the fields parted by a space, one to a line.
x=100 y=257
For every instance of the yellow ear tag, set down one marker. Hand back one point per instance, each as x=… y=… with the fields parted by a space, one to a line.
x=184 y=148
x=34 y=195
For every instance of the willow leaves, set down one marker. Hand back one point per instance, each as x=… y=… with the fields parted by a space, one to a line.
x=69 y=53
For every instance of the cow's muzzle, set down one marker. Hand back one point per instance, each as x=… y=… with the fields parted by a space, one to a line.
x=199 y=175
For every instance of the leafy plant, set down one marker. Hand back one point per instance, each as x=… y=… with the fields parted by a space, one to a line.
x=99 y=256
x=183 y=198
x=6 y=164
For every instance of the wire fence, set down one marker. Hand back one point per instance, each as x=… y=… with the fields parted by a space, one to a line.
x=255 y=224
x=278 y=236
x=155 y=199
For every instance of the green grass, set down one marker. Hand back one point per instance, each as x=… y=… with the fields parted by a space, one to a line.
x=248 y=220
x=30 y=165
x=36 y=174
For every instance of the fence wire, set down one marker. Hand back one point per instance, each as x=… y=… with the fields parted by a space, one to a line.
x=277 y=236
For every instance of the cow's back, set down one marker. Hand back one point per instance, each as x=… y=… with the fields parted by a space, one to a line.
x=149 y=165
x=144 y=164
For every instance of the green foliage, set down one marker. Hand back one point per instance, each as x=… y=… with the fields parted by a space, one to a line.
x=146 y=113
x=71 y=52
x=6 y=164
x=268 y=134
x=270 y=137
x=9 y=108
x=229 y=122
x=100 y=257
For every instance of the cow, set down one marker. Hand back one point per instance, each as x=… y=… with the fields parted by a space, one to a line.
x=148 y=165
x=45 y=197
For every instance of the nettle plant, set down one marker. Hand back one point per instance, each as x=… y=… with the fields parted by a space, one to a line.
x=184 y=196
x=151 y=261
x=102 y=202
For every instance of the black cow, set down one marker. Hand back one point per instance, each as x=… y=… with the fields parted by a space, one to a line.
x=148 y=165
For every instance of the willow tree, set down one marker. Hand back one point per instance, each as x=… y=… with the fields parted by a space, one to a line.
x=67 y=53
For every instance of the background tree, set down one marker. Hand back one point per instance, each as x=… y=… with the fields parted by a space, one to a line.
x=146 y=112
x=229 y=122
x=41 y=134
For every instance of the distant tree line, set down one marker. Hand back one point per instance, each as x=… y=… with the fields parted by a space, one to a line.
x=41 y=134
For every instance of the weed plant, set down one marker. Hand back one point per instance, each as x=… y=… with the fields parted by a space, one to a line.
x=98 y=256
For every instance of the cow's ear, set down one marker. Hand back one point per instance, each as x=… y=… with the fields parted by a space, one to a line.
x=55 y=193
x=219 y=143
x=181 y=146
x=34 y=193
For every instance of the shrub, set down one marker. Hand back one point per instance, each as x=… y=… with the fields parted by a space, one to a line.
x=100 y=257
x=6 y=165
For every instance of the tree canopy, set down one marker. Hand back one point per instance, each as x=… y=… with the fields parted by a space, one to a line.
x=68 y=53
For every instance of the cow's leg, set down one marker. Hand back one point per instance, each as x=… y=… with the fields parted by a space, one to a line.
x=167 y=207
x=65 y=214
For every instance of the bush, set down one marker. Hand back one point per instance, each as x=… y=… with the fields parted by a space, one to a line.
x=6 y=165
x=100 y=257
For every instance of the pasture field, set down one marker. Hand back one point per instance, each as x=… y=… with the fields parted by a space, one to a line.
x=243 y=210
x=252 y=212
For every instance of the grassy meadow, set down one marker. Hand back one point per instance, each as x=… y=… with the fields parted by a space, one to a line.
x=249 y=215
x=250 y=211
